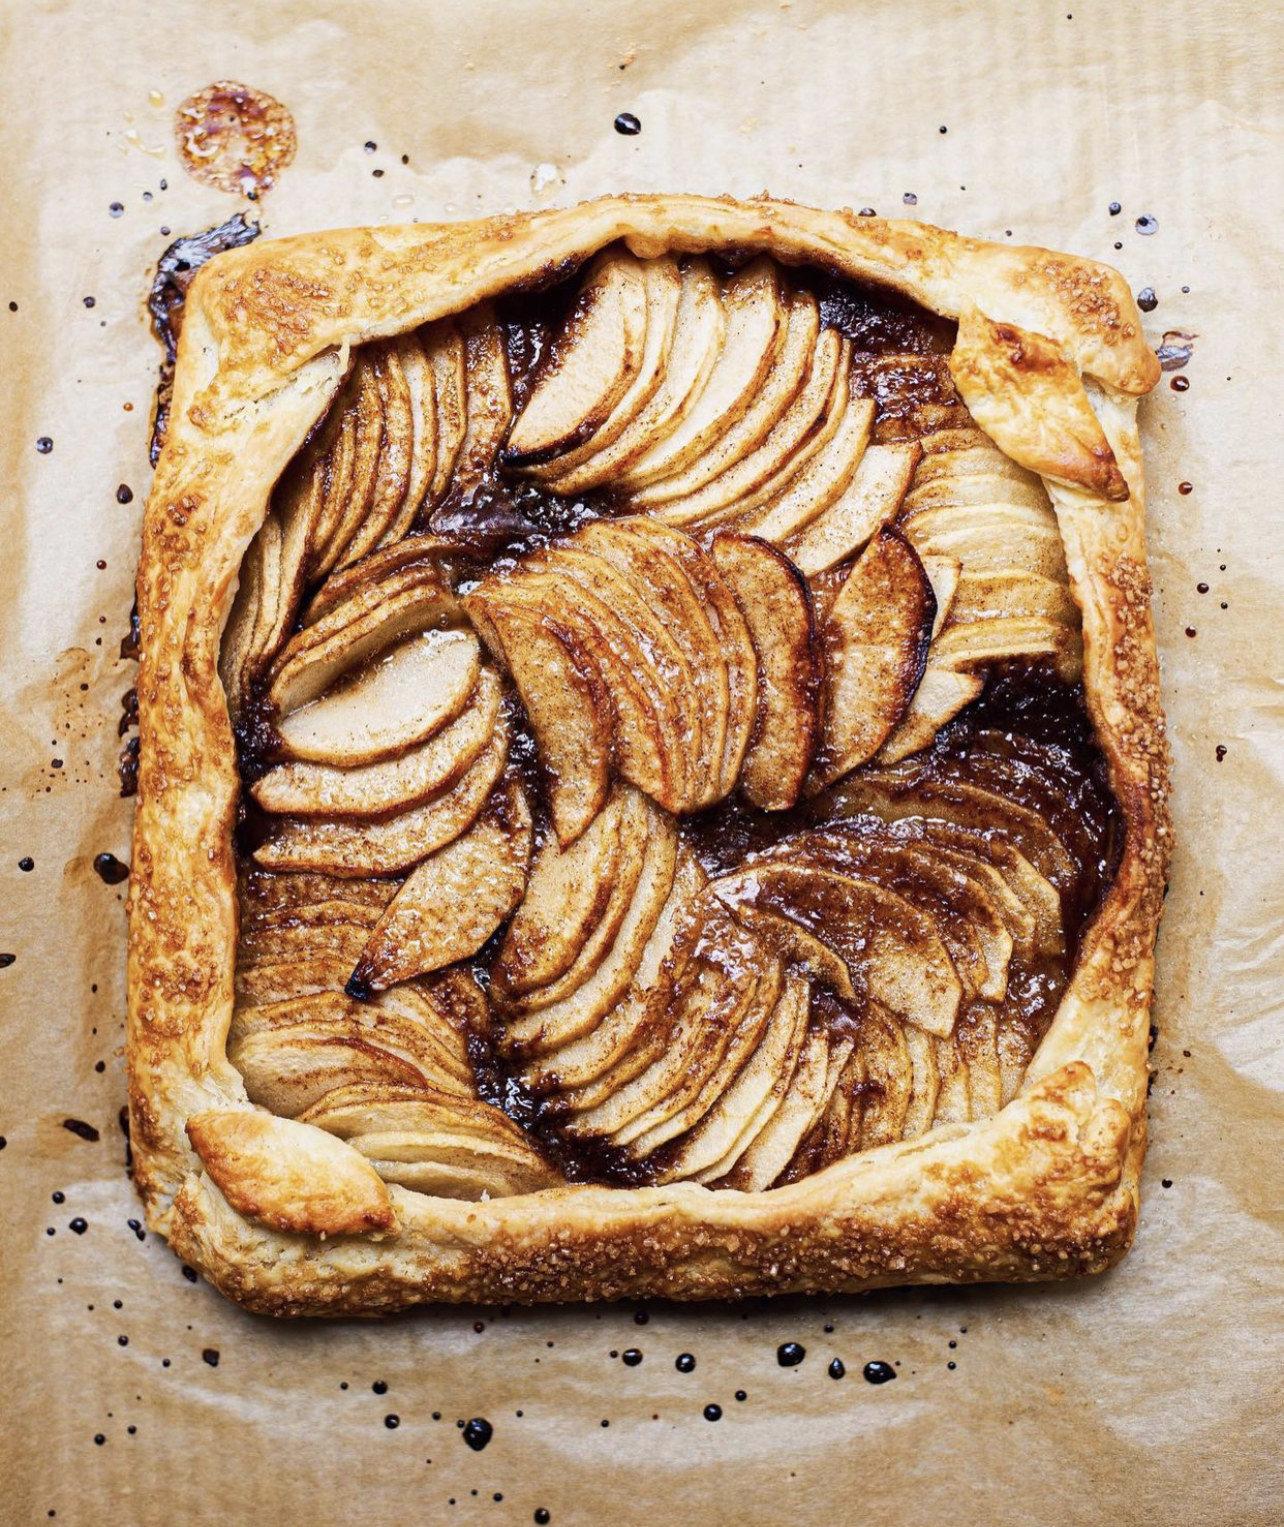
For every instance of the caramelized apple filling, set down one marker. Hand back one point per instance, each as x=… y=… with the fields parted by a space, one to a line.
x=657 y=705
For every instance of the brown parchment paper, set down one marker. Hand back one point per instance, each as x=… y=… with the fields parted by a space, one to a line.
x=134 y=1396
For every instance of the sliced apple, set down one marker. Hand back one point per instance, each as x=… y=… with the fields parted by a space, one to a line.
x=699 y=329
x=568 y=708
x=272 y=945
x=354 y=492
x=789 y=941
x=393 y=464
x=339 y=913
x=416 y=368
x=355 y=631
x=807 y=426
x=892 y=950
x=776 y=606
x=262 y=892
x=566 y=898
x=488 y=399
x=370 y=577
x=433 y=1007
x=576 y=1013
x=406 y=694
x=876 y=640
x=975 y=491
x=1015 y=1047
x=989 y=641
x=239 y=653
x=871 y=499
x=888 y=1078
x=337 y=444
x=291 y=978
x=395 y=784
x=444 y=346
x=391 y=846
x=617 y=1038
x=925 y=1082
x=954 y=1093
x=1012 y=594
x=452 y=902
x=943 y=573
x=974 y=455
x=663 y=283
x=745 y=431
x=941 y=694
x=753 y=343
x=772 y=1149
x=595 y=359
x=977 y=1041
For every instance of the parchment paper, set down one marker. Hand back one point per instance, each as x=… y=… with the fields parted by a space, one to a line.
x=135 y=1396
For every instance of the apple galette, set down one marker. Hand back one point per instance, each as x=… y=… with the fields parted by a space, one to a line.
x=652 y=773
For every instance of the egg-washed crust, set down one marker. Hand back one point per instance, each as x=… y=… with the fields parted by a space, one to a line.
x=1051 y=360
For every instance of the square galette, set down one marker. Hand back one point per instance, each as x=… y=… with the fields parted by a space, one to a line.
x=652 y=773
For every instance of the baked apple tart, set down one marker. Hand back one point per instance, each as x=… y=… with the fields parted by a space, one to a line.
x=652 y=774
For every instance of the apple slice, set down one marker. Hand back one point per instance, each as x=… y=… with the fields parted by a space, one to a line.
x=892 y=950
x=454 y=900
x=239 y=654
x=572 y=1067
x=580 y=1009
x=776 y=606
x=394 y=784
x=713 y=1146
x=943 y=573
x=416 y=369
x=821 y=482
x=977 y=1042
x=406 y=694
x=393 y=465
x=262 y=893
x=745 y=431
x=595 y=359
x=925 y=1082
x=322 y=653
x=990 y=641
x=566 y=898
x=754 y=337
x=444 y=346
x=569 y=711
x=370 y=577
x=663 y=284
x=392 y=846
x=337 y=444
x=976 y=491
x=1015 y=1046
x=772 y=1149
x=267 y=945
x=699 y=329
x=660 y=579
x=1012 y=594
x=281 y=981
x=954 y=1093
x=876 y=640
x=431 y=1007
x=888 y=1078
x=805 y=428
x=994 y=545
x=355 y=493
x=792 y=943
x=488 y=399
x=871 y=499
x=941 y=694
x=731 y=633
x=988 y=523
x=975 y=455
x=338 y=913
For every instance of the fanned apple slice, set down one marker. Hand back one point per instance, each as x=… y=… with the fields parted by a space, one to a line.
x=406 y=694
x=888 y=1077
x=821 y=481
x=791 y=942
x=291 y=978
x=977 y=1041
x=338 y=913
x=776 y=605
x=711 y=1148
x=941 y=694
x=392 y=467
x=943 y=573
x=772 y=1149
x=340 y=642
x=1012 y=594
x=745 y=430
x=925 y=1082
x=353 y=503
x=577 y=1012
x=801 y=1040
x=661 y=579
x=871 y=499
x=979 y=458
x=337 y=444
x=876 y=640
x=892 y=950
x=394 y=784
x=731 y=632
x=262 y=892
x=299 y=941
x=975 y=492
x=431 y=1007
x=239 y=653
x=753 y=340
x=416 y=368
x=1015 y=1047
x=566 y=898
x=640 y=747
x=806 y=427
x=1037 y=897
x=986 y=523
x=574 y=1066
x=663 y=283
x=488 y=399
x=595 y=359
x=569 y=711
x=635 y=823
x=699 y=328
x=452 y=902
x=994 y=544
x=661 y=665
x=370 y=577
x=990 y=641
x=392 y=846
x=444 y=346
x=954 y=1092
x=723 y=1041
x=299 y=502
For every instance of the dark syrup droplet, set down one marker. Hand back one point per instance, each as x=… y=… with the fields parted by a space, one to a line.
x=879 y=1373
x=713 y=1412
x=685 y=1362
x=1146 y=224
x=837 y=1368
x=1180 y=383
x=210 y=1355
x=627 y=125
x=477 y=1433
x=1146 y=299
x=789 y=1354
x=631 y=1357
x=81 y=1130
x=110 y=870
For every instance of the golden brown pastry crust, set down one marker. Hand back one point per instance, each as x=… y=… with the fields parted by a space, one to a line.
x=1051 y=360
